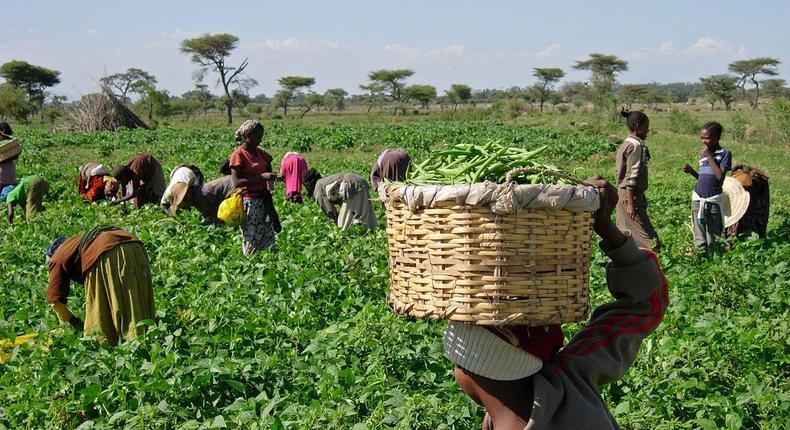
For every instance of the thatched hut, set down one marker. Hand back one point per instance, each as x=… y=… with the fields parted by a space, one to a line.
x=101 y=112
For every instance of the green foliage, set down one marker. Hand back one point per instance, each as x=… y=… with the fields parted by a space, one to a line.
x=682 y=122
x=778 y=115
x=34 y=79
x=721 y=87
x=739 y=126
x=13 y=103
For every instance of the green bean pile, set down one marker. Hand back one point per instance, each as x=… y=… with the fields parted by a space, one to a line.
x=465 y=163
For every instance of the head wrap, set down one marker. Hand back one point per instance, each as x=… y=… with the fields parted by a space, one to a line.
x=50 y=251
x=6 y=191
x=247 y=128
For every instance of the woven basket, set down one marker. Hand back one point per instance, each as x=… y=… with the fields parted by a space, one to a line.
x=467 y=263
x=10 y=150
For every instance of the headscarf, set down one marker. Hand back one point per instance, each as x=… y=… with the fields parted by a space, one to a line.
x=89 y=170
x=50 y=251
x=6 y=191
x=246 y=128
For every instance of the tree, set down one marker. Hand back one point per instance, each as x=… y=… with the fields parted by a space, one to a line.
x=775 y=88
x=155 y=102
x=603 y=68
x=335 y=98
x=632 y=93
x=13 y=103
x=424 y=94
x=457 y=94
x=548 y=77
x=291 y=86
x=375 y=95
x=313 y=100
x=185 y=106
x=200 y=94
x=132 y=80
x=721 y=87
x=391 y=83
x=211 y=52
x=747 y=70
x=33 y=79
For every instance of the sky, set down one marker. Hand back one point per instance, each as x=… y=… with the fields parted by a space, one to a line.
x=484 y=44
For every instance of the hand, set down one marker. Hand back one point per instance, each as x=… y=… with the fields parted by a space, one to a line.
x=630 y=210
x=76 y=323
x=688 y=169
x=706 y=151
x=611 y=236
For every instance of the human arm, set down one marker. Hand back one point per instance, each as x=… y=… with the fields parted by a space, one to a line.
x=633 y=166
x=134 y=193
x=607 y=346
x=10 y=213
x=323 y=200
x=239 y=181
x=690 y=170
x=718 y=173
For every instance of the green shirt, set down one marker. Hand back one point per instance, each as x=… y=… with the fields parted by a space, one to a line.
x=19 y=194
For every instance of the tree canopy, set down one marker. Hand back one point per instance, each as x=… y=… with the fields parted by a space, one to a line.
x=291 y=86
x=33 y=79
x=132 y=80
x=548 y=77
x=748 y=70
x=603 y=68
x=424 y=94
x=721 y=87
x=391 y=83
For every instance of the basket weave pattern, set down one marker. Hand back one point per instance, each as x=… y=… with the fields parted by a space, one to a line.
x=465 y=263
x=9 y=150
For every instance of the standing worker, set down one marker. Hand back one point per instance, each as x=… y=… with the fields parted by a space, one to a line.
x=391 y=165
x=631 y=180
x=349 y=190
x=113 y=266
x=707 y=197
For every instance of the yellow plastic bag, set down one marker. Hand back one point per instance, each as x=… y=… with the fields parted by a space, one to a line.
x=231 y=210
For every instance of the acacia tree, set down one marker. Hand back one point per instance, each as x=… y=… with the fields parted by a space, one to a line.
x=457 y=94
x=391 y=83
x=747 y=70
x=548 y=77
x=313 y=100
x=720 y=87
x=211 y=52
x=291 y=86
x=33 y=79
x=632 y=93
x=13 y=103
x=603 y=68
x=132 y=80
x=335 y=98
x=775 y=88
x=375 y=94
x=424 y=94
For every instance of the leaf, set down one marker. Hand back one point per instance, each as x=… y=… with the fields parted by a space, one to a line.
x=219 y=423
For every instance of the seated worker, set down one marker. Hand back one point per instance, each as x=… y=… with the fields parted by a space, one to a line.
x=391 y=165
x=351 y=192
x=141 y=179
x=113 y=266
x=29 y=194
x=92 y=181
x=181 y=178
x=513 y=373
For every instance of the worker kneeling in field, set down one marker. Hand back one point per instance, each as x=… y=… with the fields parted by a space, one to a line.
x=391 y=165
x=523 y=378
x=29 y=194
x=347 y=189
x=92 y=181
x=113 y=266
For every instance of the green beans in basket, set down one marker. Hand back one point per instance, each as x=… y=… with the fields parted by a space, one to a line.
x=466 y=163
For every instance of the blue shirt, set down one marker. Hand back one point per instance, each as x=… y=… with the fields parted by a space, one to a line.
x=707 y=184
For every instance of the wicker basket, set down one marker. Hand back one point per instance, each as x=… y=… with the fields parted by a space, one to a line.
x=9 y=150
x=464 y=262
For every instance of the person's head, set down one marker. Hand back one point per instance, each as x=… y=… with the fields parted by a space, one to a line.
x=637 y=122
x=53 y=246
x=122 y=174
x=224 y=168
x=309 y=179
x=250 y=133
x=111 y=187
x=710 y=134
x=5 y=131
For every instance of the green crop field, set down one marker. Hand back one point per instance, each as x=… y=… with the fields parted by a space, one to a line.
x=303 y=339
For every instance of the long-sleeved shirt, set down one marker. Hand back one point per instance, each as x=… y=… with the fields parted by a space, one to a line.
x=69 y=264
x=631 y=165
x=207 y=198
x=391 y=165
x=328 y=191
x=567 y=388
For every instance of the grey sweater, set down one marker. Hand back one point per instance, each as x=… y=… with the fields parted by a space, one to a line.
x=327 y=200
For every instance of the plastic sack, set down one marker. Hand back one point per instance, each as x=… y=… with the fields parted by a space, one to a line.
x=231 y=210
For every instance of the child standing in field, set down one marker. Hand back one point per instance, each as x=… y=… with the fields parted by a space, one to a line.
x=631 y=179
x=707 y=197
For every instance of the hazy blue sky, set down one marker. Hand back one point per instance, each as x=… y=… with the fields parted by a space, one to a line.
x=492 y=44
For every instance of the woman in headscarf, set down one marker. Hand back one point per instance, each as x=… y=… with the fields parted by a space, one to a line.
x=7 y=167
x=29 y=194
x=391 y=165
x=92 y=181
x=292 y=167
x=113 y=266
x=347 y=189
x=142 y=179
x=251 y=169
x=181 y=179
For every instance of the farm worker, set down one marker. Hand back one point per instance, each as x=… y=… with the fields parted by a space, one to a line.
x=707 y=198
x=29 y=194
x=142 y=178
x=251 y=169
x=755 y=182
x=521 y=384
x=292 y=167
x=7 y=167
x=113 y=266
x=391 y=165
x=631 y=179
x=207 y=197
x=181 y=178
x=92 y=180
x=351 y=191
